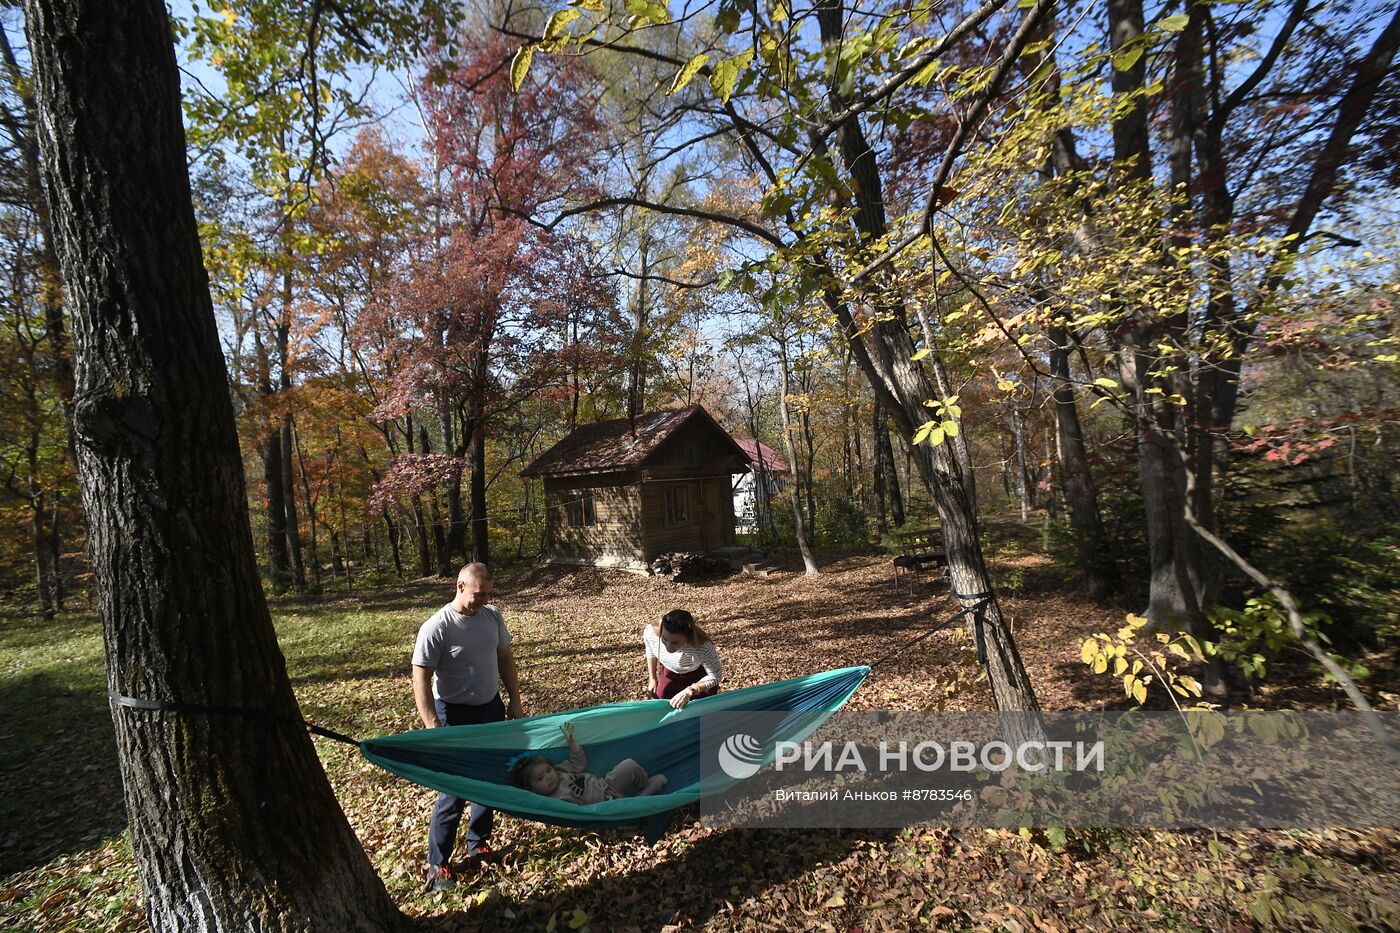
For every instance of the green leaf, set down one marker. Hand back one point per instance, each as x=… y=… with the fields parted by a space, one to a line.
x=920 y=354
x=1127 y=58
x=1174 y=23
x=925 y=74
x=688 y=71
x=520 y=65
x=950 y=428
x=578 y=919
x=647 y=12
x=559 y=20
x=923 y=432
x=1055 y=835
x=726 y=73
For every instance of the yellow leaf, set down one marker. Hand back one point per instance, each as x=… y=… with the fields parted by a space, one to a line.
x=688 y=71
x=1140 y=692
x=559 y=20
x=1089 y=650
x=520 y=65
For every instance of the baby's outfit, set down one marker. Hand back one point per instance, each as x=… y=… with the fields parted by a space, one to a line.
x=578 y=786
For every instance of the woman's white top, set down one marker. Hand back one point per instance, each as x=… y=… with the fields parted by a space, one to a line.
x=685 y=660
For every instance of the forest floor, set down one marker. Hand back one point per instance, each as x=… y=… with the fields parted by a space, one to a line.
x=65 y=863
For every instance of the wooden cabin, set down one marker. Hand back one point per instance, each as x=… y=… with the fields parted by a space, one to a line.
x=620 y=493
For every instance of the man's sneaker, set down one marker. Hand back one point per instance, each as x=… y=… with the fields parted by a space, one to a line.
x=482 y=853
x=439 y=878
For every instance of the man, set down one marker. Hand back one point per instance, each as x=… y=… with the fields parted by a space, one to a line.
x=460 y=654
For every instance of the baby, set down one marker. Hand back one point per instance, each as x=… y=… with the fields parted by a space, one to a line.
x=569 y=781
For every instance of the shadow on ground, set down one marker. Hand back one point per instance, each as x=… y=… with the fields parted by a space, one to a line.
x=58 y=758
x=716 y=874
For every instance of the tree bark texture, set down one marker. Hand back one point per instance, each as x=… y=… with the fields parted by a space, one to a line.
x=182 y=611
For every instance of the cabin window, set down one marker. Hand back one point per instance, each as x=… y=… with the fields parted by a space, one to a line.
x=677 y=507
x=580 y=508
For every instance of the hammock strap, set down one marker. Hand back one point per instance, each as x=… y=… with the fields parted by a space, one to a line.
x=978 y=623
x=266 y=719
x=974 y=610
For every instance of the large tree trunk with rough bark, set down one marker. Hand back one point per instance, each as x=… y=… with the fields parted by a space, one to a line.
x=182 y=611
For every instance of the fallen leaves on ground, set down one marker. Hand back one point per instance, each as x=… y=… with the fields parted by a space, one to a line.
x=578 y=640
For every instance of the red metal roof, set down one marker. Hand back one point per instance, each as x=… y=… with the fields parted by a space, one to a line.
x=611 y=445
x=771 y=461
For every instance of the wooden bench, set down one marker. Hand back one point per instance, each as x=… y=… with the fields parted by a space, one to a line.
x=917 y=550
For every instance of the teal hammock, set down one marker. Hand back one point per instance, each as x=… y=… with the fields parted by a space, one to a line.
x=472 y=762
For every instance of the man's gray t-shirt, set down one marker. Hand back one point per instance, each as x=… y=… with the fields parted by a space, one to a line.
x=462 y=652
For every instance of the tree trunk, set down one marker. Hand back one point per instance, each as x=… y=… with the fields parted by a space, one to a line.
x=885 y=354
x=481 y=539
x=55 y=552
x=456 y=517
x=1075 y=480
x=39 y=534
x=877 y=472
x=182 y=611
x=636 y=354
x=445 y=567
x=289 y=502
x=393 y=530
x=885 y=453
x=270 y=449
x=809 y=442
x=1018 y=434
x=312 y=542
x=809 y=562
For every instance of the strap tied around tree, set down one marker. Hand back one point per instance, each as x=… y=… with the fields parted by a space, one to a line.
x=265 y=716
x=974 y=610
x=978 y=624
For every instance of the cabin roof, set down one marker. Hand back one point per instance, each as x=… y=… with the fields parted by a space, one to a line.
x=772 y=462
x=607 y=446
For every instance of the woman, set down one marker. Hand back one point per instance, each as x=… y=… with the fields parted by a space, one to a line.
x=682 y=664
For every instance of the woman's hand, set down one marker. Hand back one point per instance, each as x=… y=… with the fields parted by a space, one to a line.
x=681 y=699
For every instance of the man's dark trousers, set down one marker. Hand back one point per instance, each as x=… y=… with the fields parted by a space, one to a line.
x=442 y=832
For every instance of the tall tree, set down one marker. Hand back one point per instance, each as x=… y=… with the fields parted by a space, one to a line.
x=816 y=95
x=183 y=614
